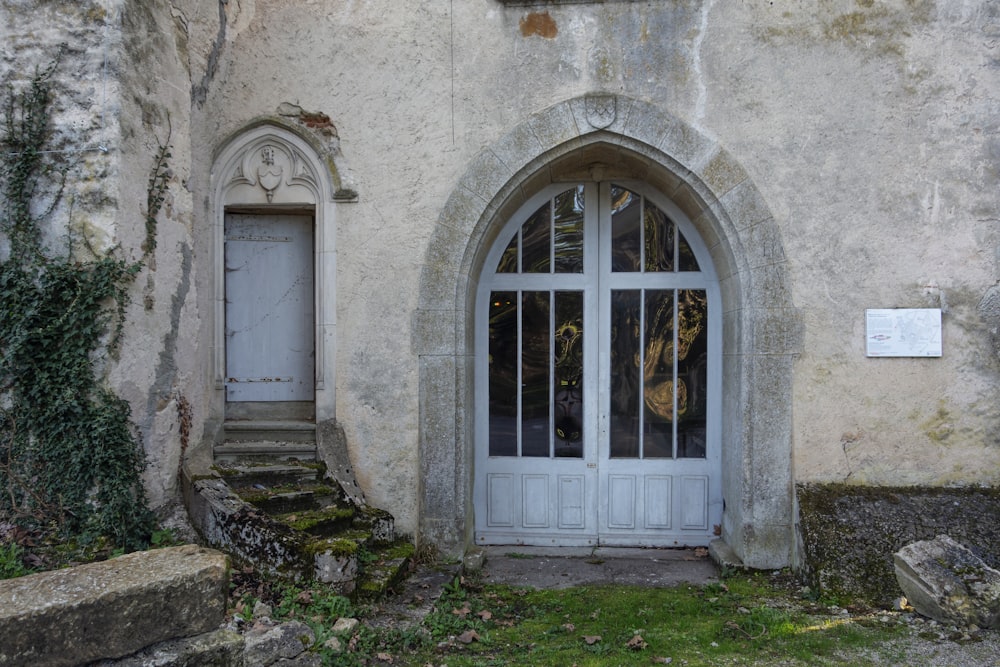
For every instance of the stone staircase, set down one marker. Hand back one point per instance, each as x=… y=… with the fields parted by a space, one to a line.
x=271 y=502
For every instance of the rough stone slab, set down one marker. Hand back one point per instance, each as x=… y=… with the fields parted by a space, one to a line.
x=221 y=648
x=113 y=608
x=945 y=581
x=285 y=641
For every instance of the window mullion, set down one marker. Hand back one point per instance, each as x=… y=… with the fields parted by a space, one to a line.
x=676 y=341
x=520 y=370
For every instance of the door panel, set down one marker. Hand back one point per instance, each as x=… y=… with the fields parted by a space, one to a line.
x=597 y=378
x=269 y=308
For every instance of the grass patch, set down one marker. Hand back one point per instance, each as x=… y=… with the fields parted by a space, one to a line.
x=747 y=620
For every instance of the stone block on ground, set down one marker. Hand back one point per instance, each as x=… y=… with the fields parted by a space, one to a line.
x=112 y=608
x=945 y=581
x=221 y=648
x=286 y=641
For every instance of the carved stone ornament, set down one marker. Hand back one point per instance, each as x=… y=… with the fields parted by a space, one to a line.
x=601 y=110
x=272 y=164
x=268 y=173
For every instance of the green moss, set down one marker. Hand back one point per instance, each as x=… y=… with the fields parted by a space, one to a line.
x=336 y=546
x=400 y=550
x=306 y=521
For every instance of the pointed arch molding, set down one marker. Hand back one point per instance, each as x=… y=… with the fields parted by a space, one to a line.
x=270 y=166
x=602 y=137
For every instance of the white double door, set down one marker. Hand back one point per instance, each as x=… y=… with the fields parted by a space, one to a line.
x=597 y=375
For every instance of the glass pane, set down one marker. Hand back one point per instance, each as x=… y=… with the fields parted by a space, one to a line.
x=535 y=358
x=625 y=351
x=658 y=374
x=536 y=247
x=692 y=375
x=508 y=261
x=626 y=230
x=568 y=225
x=659 y=239
x=568 y=344
x=503 y=374
x=686 y=255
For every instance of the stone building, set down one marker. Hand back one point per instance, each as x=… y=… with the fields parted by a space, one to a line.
x=562 y=271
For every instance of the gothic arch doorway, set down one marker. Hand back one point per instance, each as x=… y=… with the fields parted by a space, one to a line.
x=597 y=374
x=274 y=194
x=619 y=140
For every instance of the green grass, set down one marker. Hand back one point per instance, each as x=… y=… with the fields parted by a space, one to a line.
x=744 y=621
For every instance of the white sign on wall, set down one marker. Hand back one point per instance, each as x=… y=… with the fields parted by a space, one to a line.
x=903 y=332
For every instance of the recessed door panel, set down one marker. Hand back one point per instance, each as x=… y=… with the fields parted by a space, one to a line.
x=269 y=308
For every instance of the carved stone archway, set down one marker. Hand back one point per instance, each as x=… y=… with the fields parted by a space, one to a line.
x=276 y=166
x=600 y=137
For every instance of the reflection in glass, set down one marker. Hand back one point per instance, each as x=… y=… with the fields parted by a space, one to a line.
x=568 y=227
x=508 y=260
x=503 y=374
x=686 y=255
x=626 y=230
x=568 y=377
x=659 y=231
x=692 y=363
x=658 y=374
x=625 y=359
x=535 y=387
x=536 y=237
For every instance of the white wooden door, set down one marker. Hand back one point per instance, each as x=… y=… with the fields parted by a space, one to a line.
x=269 y=308
x=597 y=376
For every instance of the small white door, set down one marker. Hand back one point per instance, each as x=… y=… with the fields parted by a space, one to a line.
x=269 y=308
x=597 y=377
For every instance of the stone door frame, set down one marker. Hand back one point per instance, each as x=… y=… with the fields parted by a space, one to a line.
x=601 y=137
x=271 y=166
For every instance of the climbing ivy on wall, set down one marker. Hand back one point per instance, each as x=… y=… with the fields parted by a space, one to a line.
x=70 y=459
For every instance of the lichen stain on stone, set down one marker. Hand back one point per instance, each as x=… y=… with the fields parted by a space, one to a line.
x=539 y=23
x=871 y=28
x=939 y=426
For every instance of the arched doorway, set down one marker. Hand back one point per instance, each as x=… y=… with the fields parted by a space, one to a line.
x=597 y=374
x=274 y=195
x=618 y=140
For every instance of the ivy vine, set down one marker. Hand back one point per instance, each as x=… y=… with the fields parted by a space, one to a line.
x=70 y=458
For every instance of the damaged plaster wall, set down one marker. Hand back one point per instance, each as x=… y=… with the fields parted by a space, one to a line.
x=868 y=127
x=120 y=92
x=865 y=125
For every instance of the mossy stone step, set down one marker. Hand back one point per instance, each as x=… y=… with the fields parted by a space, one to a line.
x=289 y=502
x=386 y=571
x=270 y=476
x=325 y=522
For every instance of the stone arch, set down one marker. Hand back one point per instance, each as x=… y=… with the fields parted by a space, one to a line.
x=599 y=137
x=271 y=164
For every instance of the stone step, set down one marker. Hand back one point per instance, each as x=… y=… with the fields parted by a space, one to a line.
x=232 y=452
x=323 y=522
x=298 y=501
x=270 y=477
x=386 y=568
x=261 y=431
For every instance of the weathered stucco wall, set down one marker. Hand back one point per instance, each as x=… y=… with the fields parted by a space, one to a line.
x=868 y=129
x=866 y=126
